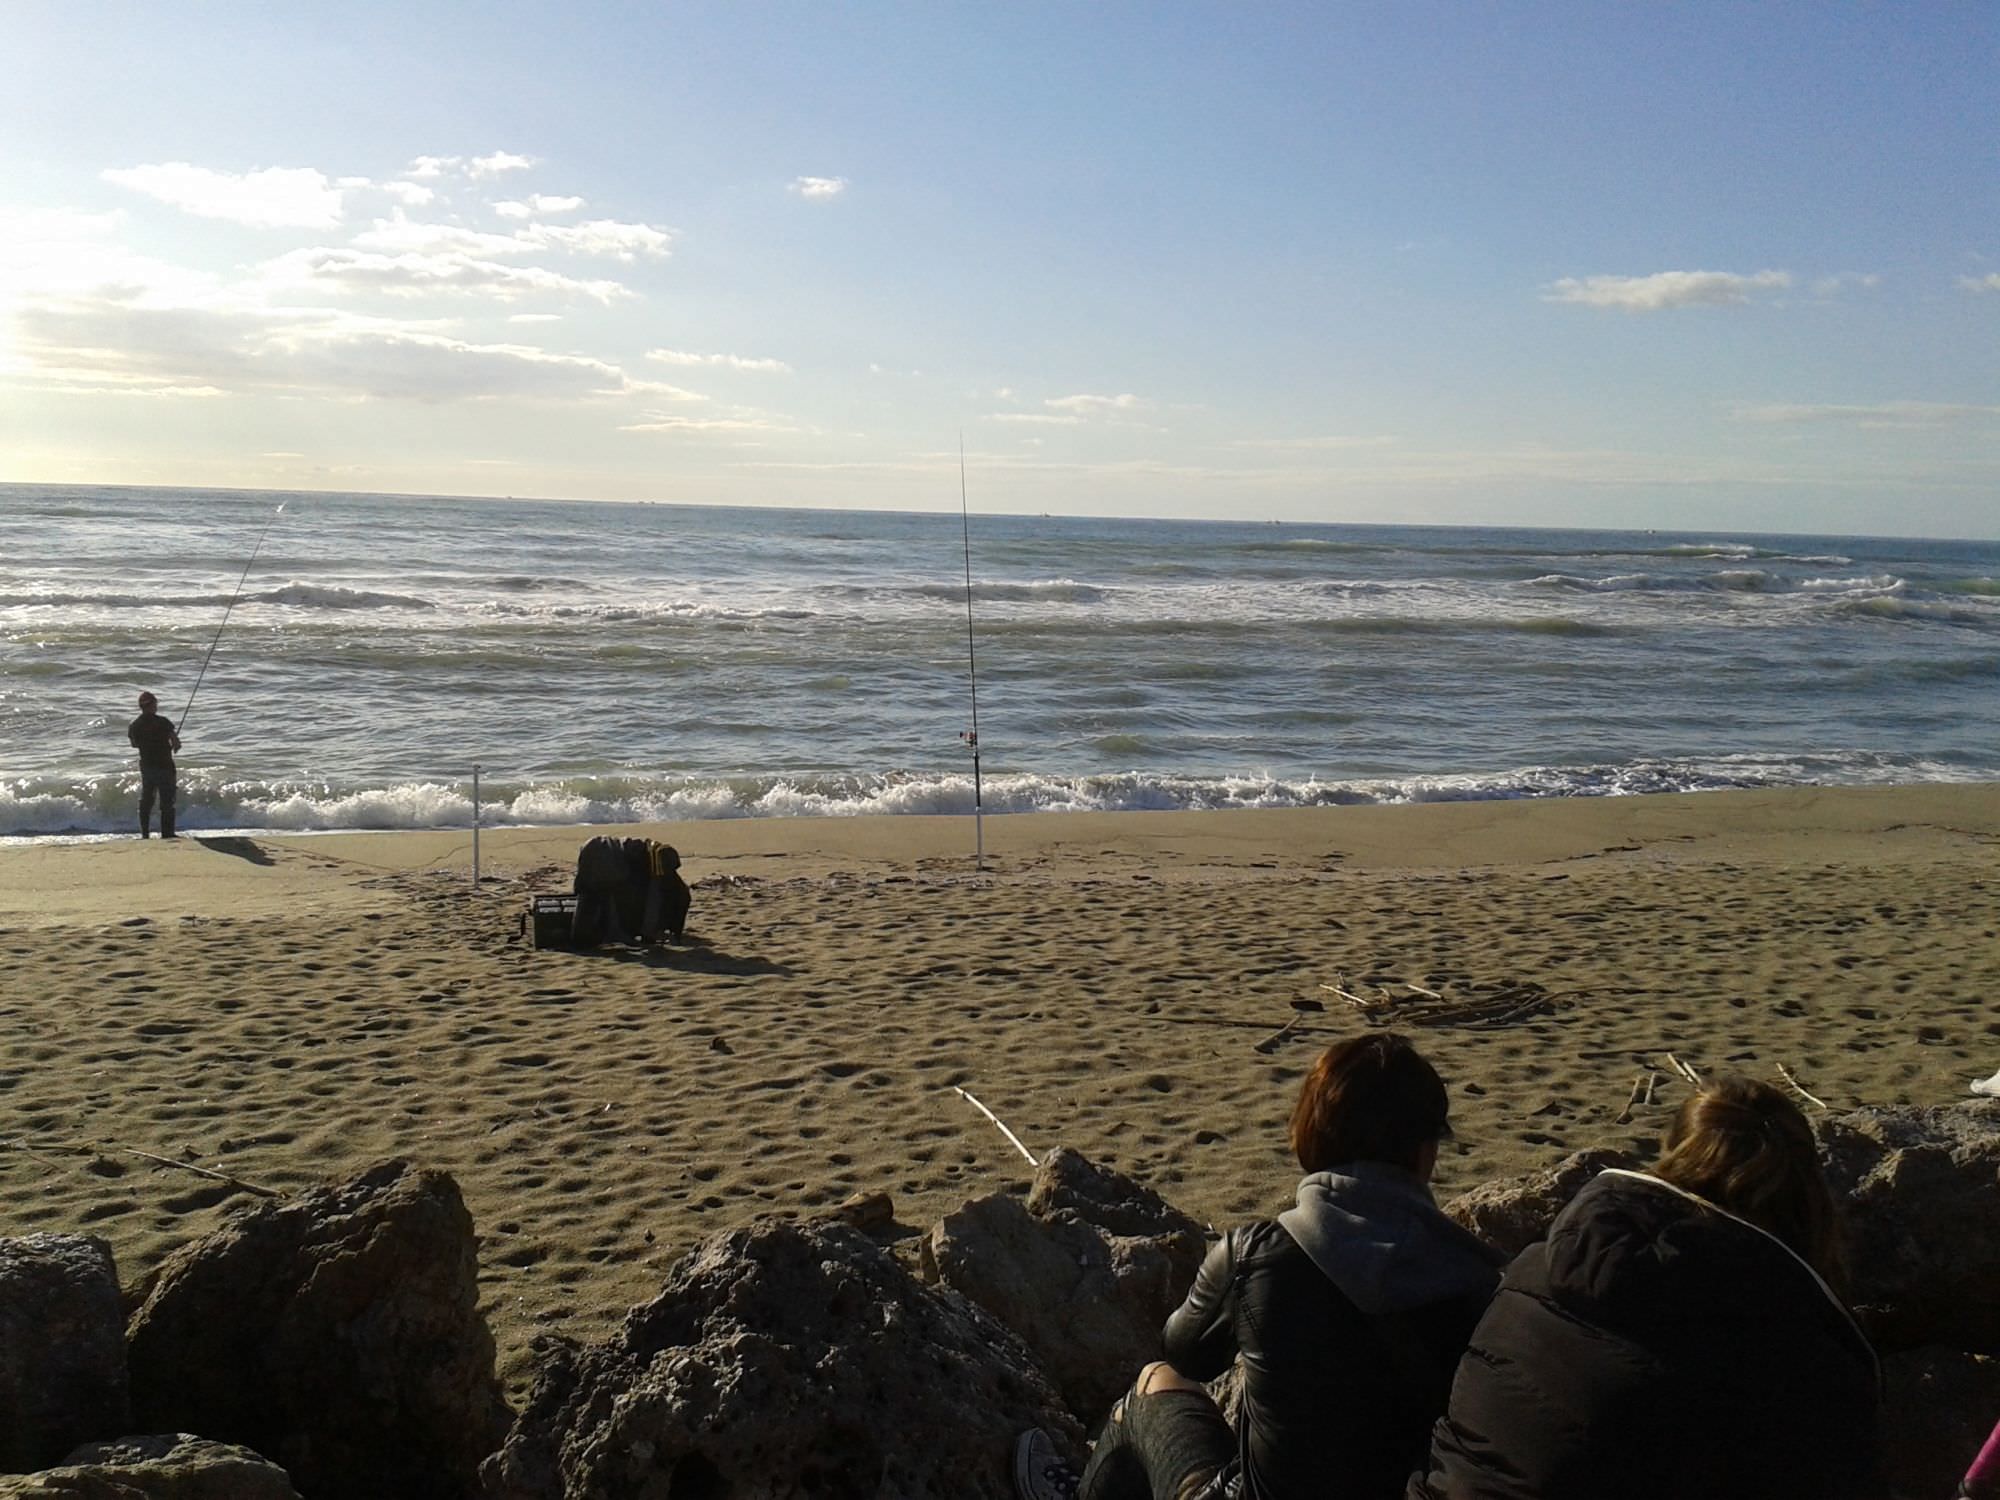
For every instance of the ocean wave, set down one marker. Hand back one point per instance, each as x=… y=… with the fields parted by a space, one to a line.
x=1721 y=581
x=1059 y=590
x=105 y=805
x=298 y=595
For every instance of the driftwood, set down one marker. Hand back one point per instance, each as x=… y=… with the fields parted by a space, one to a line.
x=1270 y=1043
x=92 y=1148
x=1624 y=1116
x=1486 y=1008
x=1684 y=1070
x=1799 y=1088
x=997 y=1121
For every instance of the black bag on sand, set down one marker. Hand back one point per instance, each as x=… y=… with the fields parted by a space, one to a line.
x=628 y=891
x=602 y=875
x=550 y=921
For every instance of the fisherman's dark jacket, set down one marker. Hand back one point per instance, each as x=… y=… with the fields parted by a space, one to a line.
x=1657 y=1348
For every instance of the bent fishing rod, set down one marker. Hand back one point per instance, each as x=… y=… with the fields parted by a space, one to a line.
x=182 y=724
x=971 y=669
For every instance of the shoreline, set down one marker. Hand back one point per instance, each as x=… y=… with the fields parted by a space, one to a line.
x=289 y=1010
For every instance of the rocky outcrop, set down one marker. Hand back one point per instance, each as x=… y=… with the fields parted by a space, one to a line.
x=1938 y=1405
x=784 y=1360
x=337 y=1333
x=62 y=1348
x=1920 y=1193
x=1511 y=1213
x=1085 y=1273
x=171 y=1466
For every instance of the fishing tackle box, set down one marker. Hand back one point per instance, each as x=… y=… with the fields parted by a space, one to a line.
x=549 y=920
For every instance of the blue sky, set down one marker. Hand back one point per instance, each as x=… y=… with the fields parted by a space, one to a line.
x=1678 y=266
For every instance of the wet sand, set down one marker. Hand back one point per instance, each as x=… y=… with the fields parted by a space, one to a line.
x=287 y=1010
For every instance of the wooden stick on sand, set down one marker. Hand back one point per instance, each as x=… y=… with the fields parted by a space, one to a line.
x=1277 y=1036
x=1799 y=1088
x=997 y=1121
x=1625 y=1114
x=1684 y=1070
x=165 y=1161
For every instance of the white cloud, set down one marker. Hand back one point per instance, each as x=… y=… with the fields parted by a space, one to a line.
x=416 y=274
x=433 y=166
x=1314 y=444
x=409 y=194
x=276 y=197
x=660 y=422
x=536 y=203
x=408 y=236
x=534 y=317
x=1987 y=283
x=819 y=189
x=1098 y=406
x=1878 y=414
x=1666 y=289
x=727 y=361
x=1830 y=286
x=497 y=163
x=1035 y=418
x=116 y=340
x=605 y=237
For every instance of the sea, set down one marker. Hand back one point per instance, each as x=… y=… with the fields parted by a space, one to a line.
x=358 y=656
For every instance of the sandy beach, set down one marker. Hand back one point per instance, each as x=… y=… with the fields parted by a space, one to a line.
x=287 y=1010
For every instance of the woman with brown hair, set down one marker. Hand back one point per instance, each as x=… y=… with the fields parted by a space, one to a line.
x=1349 y=1312
x=1678 y=1336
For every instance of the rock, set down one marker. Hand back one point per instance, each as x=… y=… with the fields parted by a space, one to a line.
x=868 y=1212
x=1920 y=1193
x=62 y=1348
x=1086 y=1273
x=1511 y=1213
x=337 y=1333
x=172 y=1466
x=1938 y=1405
x=786 y=1359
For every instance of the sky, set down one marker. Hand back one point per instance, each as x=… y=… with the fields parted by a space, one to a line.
x=1693 y=265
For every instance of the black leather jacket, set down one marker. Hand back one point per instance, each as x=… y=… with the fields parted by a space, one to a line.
x=1337 y=1404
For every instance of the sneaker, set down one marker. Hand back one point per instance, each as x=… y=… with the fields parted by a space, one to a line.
x=1039 y=1471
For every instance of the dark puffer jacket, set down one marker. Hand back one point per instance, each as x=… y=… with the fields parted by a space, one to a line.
x=1657 y=1348
x=1350 y=1313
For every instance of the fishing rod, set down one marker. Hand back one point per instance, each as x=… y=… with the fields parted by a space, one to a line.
x=971 y=669
x=225 y=614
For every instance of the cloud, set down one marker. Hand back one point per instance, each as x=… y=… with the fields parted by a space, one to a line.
x=536 y=203
x=1035 y=418
x=1666 y=289
x=1890 y=414
x=433 y=166
x=1314 y=444
x=496 y=164
x=726 y=361
x=114 y=339
x=409 y=194
x=661 y=422
x=1831 y=286
x=1098 y=406
x=276 y=197
x=819 y=189
x=1987 y=283
x=605 y=238
x=534 y=317
x=418 y=274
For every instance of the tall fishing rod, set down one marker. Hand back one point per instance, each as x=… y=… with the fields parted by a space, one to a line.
x=225 y=614
x=971 y=669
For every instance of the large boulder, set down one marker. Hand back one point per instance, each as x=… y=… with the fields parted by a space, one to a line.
x=62 y=1348
x=1920 y=1192
x=784 y=1360
x=338 y=1334
x=1938 y=1405
x=1511 y=1213
x=1086 y=1272
x=168 y=1466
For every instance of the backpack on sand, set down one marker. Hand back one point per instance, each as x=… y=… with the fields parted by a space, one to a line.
x=628 y=891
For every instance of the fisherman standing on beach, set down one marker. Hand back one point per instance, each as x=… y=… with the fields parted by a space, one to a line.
x=156 y=740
